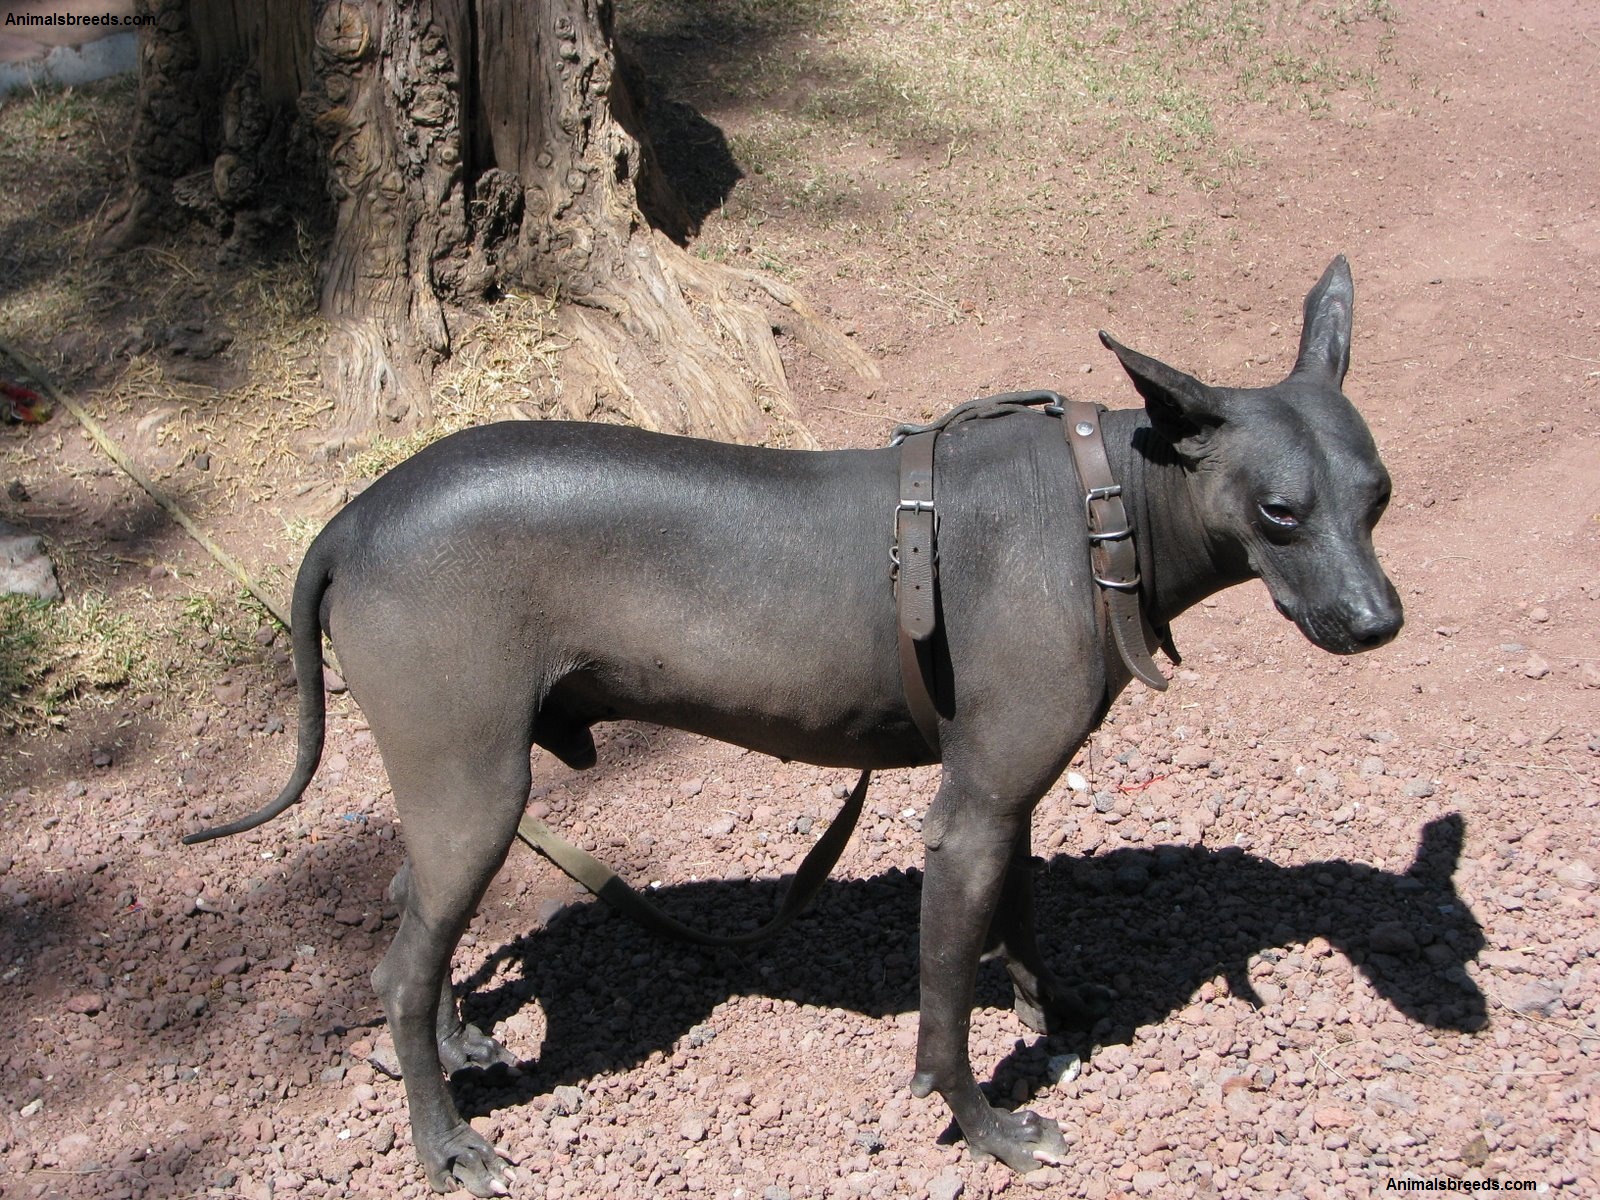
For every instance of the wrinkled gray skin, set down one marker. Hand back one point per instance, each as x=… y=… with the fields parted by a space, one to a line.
x=513 y=585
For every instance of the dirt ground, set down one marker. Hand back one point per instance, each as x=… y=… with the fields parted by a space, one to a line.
x=1348 y=905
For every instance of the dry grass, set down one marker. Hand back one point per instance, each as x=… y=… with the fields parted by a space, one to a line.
x=505 y=367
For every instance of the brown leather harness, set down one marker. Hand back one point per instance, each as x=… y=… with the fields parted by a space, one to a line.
x=1113 y=556
x=914 y=559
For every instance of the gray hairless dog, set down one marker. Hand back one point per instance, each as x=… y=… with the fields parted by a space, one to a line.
x=515 y=584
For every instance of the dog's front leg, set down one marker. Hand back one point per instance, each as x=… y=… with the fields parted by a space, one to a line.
x=1041 y=1000
x=970 y=840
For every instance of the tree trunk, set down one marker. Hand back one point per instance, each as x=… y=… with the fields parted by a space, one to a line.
x=457 y=148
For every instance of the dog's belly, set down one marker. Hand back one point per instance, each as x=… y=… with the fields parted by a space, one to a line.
x=790 y=712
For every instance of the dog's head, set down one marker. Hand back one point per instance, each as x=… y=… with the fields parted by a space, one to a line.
x=1287 y=479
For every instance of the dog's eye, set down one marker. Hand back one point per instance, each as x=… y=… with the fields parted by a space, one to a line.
x=1279 y=516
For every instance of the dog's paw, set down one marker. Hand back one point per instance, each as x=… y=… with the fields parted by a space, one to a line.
x=469 y=1046
x=464 y=1160
x=1023 y=1140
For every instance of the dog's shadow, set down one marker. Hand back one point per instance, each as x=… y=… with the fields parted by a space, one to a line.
x=1154 y=924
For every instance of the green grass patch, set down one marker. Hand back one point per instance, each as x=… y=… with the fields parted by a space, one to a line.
x=55 y=658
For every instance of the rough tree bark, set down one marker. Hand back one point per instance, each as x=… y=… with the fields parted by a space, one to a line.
x=462 y=147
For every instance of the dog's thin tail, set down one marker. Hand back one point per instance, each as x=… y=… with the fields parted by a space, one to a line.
x=306 y=637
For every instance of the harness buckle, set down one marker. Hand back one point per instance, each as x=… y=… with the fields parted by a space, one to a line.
x=1096 y=535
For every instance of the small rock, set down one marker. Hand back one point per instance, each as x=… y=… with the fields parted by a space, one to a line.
x=229 y=692
x=700 y=1035
x=1392 y=937
x=692 y=1128
x=237 y=965
x=567 y=1099
x=1577 y=875
x=1063 y=1068
x=1379 y=1093
x=1419 y=789
x=1332 y=1117
x=87 y=1003
x=333 y=681
x=25 y=569
x=1132 y=878
x=1147 y=1183
x=868 y=1141
x=1537 y=998
x=693 y=788
x=1539 y=613
x=1536 y=667
x=945 y=1186
x=721 y=827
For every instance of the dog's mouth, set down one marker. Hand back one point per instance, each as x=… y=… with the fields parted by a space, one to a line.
x=1340 y=633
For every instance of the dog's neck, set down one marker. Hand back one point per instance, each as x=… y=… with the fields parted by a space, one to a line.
x=1179 y=562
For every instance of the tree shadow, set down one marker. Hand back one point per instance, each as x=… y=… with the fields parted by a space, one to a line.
x=683 y=58
x=611 y=994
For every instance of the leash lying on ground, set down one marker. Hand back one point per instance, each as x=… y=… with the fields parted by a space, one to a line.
x=134 y=472
x=610 y=887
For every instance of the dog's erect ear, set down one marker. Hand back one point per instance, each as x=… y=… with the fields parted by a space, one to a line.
x=1182 y=409
x=1325 y=339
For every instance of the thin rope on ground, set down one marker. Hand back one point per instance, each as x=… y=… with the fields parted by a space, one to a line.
x=134 y=472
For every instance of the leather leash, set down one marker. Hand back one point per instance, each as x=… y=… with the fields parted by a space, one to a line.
x=605 y=883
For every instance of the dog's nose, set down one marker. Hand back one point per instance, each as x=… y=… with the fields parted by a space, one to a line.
x=1374 y=625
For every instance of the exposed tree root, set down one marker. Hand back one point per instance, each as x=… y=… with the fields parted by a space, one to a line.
x=687 y=345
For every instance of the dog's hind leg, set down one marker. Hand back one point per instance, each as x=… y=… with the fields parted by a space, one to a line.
x=459 y=800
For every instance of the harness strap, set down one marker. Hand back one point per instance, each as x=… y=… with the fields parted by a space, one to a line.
x=1112 y=554
x=615 y=891
x=916 y=573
